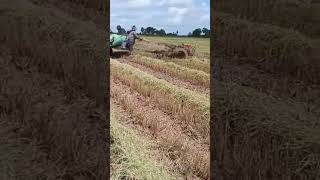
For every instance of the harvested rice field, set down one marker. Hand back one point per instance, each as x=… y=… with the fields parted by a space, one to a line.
x=168 y=104
x=265 y=89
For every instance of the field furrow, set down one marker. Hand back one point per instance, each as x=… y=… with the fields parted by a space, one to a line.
x=196 y=63
x=188 y=156
x=192 y=63
x=191 y=108
x=171 y=79
x=193 y=76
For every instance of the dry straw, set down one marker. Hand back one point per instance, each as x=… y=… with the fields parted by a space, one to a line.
x=58 y=45
x=265 y=137
x=42 y=41
x=184 y=153
x=271 y=48
x=130 y=153
x=191 y=107
x=298 y=15
x=194 y=76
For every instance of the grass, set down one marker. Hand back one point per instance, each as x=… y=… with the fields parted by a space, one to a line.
x=130 y=153
x=194 y=76
x=191 y=107
x=202 y=45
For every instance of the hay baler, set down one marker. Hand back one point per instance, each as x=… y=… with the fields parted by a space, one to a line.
x=182 y=51
x=174 y=51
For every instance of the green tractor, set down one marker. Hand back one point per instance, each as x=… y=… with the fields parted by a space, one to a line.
x=117 y=46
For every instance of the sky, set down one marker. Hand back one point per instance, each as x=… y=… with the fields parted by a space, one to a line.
x=170 y=15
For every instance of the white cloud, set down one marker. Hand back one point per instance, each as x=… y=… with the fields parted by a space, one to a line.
x=176 y=3
x=171 y=15
x=176 y=15
x=205 y=18
x=114 y=15
x=161 y=3
x=123 y=20
x=138 y=3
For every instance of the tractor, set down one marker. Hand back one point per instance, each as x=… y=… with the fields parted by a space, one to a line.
x=116 y=42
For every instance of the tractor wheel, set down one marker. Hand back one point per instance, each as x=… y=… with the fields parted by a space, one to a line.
x=179 y=53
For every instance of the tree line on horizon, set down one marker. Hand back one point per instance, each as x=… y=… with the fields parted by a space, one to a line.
x=151 y=31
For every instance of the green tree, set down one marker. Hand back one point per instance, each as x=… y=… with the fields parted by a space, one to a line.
x=150 y=30
x=121 y=30
x=162 y=32
x=206 y=32
x=197 y=32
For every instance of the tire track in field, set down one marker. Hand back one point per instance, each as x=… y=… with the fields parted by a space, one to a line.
x=173 y=80
x=188 y=156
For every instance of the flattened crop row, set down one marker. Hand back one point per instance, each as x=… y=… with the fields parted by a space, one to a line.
x=186 y=74
x=189 y=106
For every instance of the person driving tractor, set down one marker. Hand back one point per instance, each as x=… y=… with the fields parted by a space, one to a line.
x=132 y=36
x=126 y=42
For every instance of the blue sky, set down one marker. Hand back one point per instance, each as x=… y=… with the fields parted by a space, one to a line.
x=171 y=15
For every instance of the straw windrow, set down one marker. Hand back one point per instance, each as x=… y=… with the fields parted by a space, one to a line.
x=131 y=156
x=194 y=76
x=191 y=107
x=271 y=48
